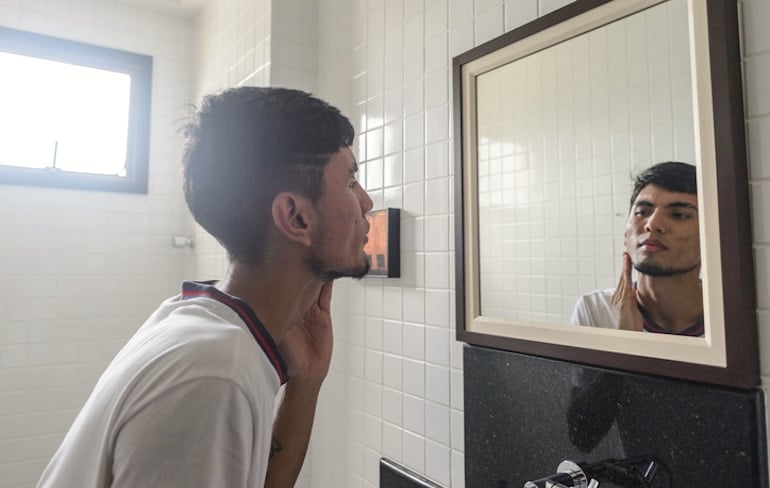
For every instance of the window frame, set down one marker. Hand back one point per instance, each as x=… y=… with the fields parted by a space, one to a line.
x=137 y=66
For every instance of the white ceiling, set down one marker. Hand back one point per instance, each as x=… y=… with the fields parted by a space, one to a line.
x=177 y=7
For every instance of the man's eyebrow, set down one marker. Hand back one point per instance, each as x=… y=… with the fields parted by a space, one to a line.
x=682 y=205
x=647 y=203
x=354 y=168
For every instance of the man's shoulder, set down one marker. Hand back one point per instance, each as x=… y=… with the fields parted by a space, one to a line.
x=595 y=309
x=603 y=296
x=194 y=338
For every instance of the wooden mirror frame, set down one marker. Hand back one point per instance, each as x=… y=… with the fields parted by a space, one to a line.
x=730 y=204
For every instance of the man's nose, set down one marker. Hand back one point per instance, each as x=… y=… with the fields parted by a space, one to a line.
x=655 y=222
x=366 y=200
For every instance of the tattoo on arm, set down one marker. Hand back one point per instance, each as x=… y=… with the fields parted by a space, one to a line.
x=275 y=447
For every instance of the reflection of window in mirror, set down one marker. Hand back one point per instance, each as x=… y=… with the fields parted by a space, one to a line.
x=560 y=134
x=662 y=244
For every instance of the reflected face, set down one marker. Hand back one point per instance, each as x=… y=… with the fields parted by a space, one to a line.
x=339 y=239
x=662 y=232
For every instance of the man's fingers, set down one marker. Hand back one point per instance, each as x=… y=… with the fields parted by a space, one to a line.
x=627 y=266
x=325 y=296
x=625 y=274
x=624 y=292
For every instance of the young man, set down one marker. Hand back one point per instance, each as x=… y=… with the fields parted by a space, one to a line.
x=663 y=245
x=189 y=401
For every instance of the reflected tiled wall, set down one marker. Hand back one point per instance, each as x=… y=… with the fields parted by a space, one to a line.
x=561 y=134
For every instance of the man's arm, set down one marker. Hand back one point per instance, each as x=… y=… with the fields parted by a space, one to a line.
x=307 y=348
x=291 y=434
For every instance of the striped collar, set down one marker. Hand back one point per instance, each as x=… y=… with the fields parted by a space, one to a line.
x=695 y=330
x=205 y=289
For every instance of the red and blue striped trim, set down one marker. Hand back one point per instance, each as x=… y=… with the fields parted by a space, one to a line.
x=195 y=289
x=695 y=330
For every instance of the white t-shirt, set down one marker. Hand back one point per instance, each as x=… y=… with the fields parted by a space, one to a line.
x=188 y=402
x=595 y=309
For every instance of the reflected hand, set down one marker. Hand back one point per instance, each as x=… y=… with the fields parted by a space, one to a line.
x=307 y=346
x=624 y=300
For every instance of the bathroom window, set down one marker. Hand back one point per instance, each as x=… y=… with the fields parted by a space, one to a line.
x=73 y=115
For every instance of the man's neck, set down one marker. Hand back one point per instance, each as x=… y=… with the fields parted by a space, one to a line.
x=673 y=302
x=279 y=294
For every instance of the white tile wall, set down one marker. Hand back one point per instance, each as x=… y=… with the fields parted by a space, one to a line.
x=293 y=36
x=756 y=61
x=757 y=71
x=80 y=271
x=426 y=387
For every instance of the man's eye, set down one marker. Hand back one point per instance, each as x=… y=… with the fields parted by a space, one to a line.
x=642 y=213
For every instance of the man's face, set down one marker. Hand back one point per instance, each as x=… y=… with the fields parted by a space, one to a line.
x=662 y=232
x=339 y=239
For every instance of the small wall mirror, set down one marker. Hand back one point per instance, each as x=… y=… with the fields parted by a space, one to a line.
x=552 y=122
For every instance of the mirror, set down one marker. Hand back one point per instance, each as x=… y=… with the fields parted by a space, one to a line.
x=552 y=122
x=554 y=157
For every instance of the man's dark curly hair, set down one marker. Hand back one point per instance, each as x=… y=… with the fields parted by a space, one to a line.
x=243 y=147
x=672 y=176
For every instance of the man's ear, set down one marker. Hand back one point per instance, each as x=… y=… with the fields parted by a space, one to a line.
x=293 y=217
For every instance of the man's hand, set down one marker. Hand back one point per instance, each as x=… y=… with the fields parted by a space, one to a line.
x=307 y=347
x=624 y=300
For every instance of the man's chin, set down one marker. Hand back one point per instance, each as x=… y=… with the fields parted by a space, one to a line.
x=330 y=274
x=653 y=269
x=356 y=273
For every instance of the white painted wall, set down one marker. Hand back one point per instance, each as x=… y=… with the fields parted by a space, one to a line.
x=80 y=271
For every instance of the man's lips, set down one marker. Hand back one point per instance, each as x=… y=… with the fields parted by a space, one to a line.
x=652 y=245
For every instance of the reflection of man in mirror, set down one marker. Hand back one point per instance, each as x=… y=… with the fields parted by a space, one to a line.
x=662 y=244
